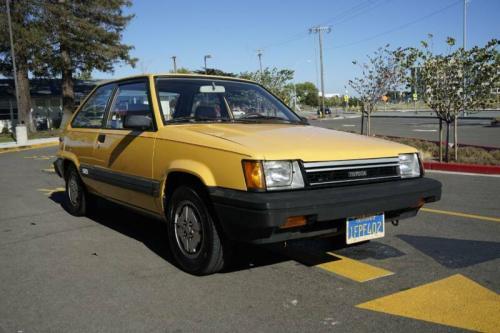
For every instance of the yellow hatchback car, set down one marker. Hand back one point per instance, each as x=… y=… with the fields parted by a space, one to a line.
x=223 y=160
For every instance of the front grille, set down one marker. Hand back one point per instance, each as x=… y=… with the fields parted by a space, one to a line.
x=351 y=171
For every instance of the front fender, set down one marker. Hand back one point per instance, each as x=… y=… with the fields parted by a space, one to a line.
x=195 y=168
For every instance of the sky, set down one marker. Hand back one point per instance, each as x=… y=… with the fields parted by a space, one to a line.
x=233 y=31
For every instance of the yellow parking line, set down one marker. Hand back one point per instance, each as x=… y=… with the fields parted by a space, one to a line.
x=35 y=146
x=471 y=216
x=455 y=301
x=353 y=269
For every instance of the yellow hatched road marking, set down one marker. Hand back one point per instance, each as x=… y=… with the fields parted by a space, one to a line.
x=471 y=216
x=49 y=192
x=455 y=301
x=353 y=269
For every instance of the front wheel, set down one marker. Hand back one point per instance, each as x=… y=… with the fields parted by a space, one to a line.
x=194 y=240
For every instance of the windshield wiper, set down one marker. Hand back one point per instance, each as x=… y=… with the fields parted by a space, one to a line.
x=257 y=117
x=197 y=118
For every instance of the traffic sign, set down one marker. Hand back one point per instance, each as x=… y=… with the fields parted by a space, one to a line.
x=415 y=96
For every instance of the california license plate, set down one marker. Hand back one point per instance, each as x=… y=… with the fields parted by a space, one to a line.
x=359 y=229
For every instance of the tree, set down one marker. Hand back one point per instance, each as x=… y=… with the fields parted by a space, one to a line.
x=307 y=93
x=84 y=35
x=379 y=75
x=182 y=70
x=29 y=40
x=278 y=81
x=443 y=77
x=214 y=71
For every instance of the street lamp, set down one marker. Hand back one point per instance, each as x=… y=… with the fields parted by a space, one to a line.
x=208 y=56
x=13 y=56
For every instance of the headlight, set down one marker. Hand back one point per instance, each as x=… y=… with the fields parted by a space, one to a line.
x=409 y=166
x=273 y=175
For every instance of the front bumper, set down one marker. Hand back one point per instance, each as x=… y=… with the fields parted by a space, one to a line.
x=257 y=217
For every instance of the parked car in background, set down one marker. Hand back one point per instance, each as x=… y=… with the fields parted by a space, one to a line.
x=222 y=160
x=326 y=111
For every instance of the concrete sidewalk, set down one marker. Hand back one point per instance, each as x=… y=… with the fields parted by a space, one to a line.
x=7 y=146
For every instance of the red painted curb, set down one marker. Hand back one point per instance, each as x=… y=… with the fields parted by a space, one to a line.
x=460 y=167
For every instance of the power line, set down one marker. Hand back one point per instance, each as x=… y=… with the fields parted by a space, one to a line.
x=347 y=14
x=399 y=27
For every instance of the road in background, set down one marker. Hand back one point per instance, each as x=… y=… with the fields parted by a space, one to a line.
x=471 y=131
x=112 y=271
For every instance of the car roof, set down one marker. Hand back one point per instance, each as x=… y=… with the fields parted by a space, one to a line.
x=176 y=75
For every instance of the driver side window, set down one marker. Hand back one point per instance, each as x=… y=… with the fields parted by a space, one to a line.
x=92 y=113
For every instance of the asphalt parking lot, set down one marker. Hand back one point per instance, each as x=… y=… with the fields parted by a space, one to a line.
x=112 y=271
x=478 y=132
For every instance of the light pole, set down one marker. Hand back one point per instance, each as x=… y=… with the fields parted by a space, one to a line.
x=259 y=54
x=208 y=56
x=13 y=55
x=174 y=63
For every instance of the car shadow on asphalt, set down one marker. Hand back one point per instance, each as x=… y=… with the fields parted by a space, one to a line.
x=454 y=253
x=153 y=234
x=309 y=252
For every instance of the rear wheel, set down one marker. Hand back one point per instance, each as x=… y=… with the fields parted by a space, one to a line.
x=75 y=196
x=194 y=239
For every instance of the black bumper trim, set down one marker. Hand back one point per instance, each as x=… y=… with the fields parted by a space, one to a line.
x=134 y=183
x=250 y=216
x=59 y=167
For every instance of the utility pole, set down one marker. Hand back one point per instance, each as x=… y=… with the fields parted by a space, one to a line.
x=174 y=63
x=319 y=30
x=259 y=54
x=13 y=55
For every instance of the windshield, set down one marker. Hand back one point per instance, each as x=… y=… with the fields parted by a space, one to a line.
x=202 y=100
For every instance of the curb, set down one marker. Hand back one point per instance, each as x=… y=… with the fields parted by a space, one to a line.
x=461 y=145
x=28 y=147
x=430 y=117
x=460 y=167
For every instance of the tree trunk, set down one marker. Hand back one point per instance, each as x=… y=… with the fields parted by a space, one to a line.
x=362 y=122
x=24 y=107
x=440 y=140
x=368 y=124
x=447 y=157
x=455 y=139
x=68 y=94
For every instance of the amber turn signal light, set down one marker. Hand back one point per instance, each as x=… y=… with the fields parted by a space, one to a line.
x=294 y=221
x=254 y=176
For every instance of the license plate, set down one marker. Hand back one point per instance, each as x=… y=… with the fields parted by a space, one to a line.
x=359 y=229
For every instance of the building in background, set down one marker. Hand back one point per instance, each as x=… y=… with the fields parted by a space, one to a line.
x=46 y=101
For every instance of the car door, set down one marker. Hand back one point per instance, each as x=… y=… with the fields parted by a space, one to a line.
x=124 y=156
x=80 y=139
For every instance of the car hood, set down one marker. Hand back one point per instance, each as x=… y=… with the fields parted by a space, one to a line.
x=307 y=143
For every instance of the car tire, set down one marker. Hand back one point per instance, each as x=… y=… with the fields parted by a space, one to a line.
x=195 y=242
x=75 y=199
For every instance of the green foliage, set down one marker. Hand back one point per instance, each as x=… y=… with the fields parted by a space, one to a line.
x=215 y=71
x=278 y=81
x=182 y=70
x=29 y=36
x=89 y=30
x=443 y=76
x=307 y=93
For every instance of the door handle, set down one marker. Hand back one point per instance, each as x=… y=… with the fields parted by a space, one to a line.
x=101 y=138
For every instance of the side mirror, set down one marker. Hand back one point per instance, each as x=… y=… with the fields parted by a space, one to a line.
x=138 y=122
